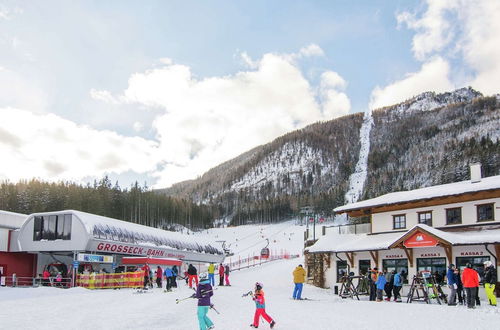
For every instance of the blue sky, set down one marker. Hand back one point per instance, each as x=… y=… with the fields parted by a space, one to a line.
x=171 y=83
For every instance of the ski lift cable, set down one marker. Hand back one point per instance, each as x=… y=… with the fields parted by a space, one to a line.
x=264 y=240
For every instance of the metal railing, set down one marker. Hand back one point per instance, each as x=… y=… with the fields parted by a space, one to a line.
x=360 y=228
x=21 y=281
x=257 y=260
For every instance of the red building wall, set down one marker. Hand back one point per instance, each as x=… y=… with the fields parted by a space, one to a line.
x=21 y=263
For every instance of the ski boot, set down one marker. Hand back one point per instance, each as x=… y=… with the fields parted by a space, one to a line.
x=272 y=324
x=253 y=326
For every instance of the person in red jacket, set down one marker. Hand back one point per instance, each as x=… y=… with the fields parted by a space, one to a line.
x=159 y=275
x=470 y=280
x=146 y=271
x=46 y=278
x=221 y=274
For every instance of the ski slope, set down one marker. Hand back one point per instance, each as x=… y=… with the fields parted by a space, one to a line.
x=51 y=308
x=247 y=241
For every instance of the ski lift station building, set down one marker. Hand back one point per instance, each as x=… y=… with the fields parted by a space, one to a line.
x=72 y=238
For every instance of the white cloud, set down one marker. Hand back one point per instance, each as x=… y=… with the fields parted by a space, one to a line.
x=433 y=76
x=451 y=38
x=335 y=102
x=138 y=126
x=433 y=30
x=208 y=121
x=104 y=96
x=52 y=148
x=17 y=91
x=311 y=50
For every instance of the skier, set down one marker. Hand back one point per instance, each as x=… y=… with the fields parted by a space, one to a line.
x=460 y=286
x=381 y=281
x=260 y=305
x=226 y=272
x=221 y=275
x=211 y=275
x=193 y=275
x=471 y=282
x=159 y=274
x=146 y=270
x=175 y=272
x=299 y=277
x=373 y=279
x=203 y=294
x=389 y=285
x=398 y=284
x=452 y=284
x=168 y=278
x=490 y=280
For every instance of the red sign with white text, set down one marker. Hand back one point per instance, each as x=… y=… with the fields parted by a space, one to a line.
x=420 y=239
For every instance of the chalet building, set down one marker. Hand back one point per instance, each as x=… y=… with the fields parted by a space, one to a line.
x=410 y=231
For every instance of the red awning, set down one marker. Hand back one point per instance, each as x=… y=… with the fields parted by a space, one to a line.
x=151 y=261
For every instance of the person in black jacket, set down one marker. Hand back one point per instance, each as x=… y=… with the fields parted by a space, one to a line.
x=490 y=280
x=460 y=286
x=193 y=275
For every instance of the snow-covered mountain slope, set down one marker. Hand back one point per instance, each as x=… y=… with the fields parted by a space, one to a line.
x=430 y=100
x=248 y=240
x=429 y=139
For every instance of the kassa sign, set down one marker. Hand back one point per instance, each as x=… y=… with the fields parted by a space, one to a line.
x=420 y=239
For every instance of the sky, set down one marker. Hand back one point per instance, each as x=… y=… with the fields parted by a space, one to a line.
x=161 y=91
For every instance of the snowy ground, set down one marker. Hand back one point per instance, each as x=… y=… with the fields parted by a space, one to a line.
x=51 y=308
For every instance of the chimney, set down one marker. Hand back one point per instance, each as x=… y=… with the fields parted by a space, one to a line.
x=475 y=172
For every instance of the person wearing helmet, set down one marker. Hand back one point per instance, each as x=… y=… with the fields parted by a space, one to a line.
x=470 y=280
x=260 y=307
x=203 y=293
x=490 y=280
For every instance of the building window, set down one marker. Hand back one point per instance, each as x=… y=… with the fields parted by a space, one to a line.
x=437 y=267
x=398 y=265
x=476 y=262
x=52 y=227
x=454 y=216
x=341 y=269
x=425 y=218
x=399 y=221
x=485 y=212
x=364 y=265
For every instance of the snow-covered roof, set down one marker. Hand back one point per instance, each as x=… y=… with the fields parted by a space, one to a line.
x=11 y=220
x=369 y=242
x=110 y=229
x=450 y=189
x=352 y=242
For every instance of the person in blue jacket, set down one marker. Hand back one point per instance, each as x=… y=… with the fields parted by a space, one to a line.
x=175 y=272
x=452 y=284
x=168 y=278
x=398 y=284
x=381 y=281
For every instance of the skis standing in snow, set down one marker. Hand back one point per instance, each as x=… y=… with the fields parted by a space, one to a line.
x=260 y=305
x=203 y=294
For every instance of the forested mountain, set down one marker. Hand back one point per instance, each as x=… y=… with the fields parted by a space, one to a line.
x=427 y=140
x=135 y=204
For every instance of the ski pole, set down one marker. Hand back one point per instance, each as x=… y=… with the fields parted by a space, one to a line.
x=212 y=307
x=247 y=294
x=179 y=300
